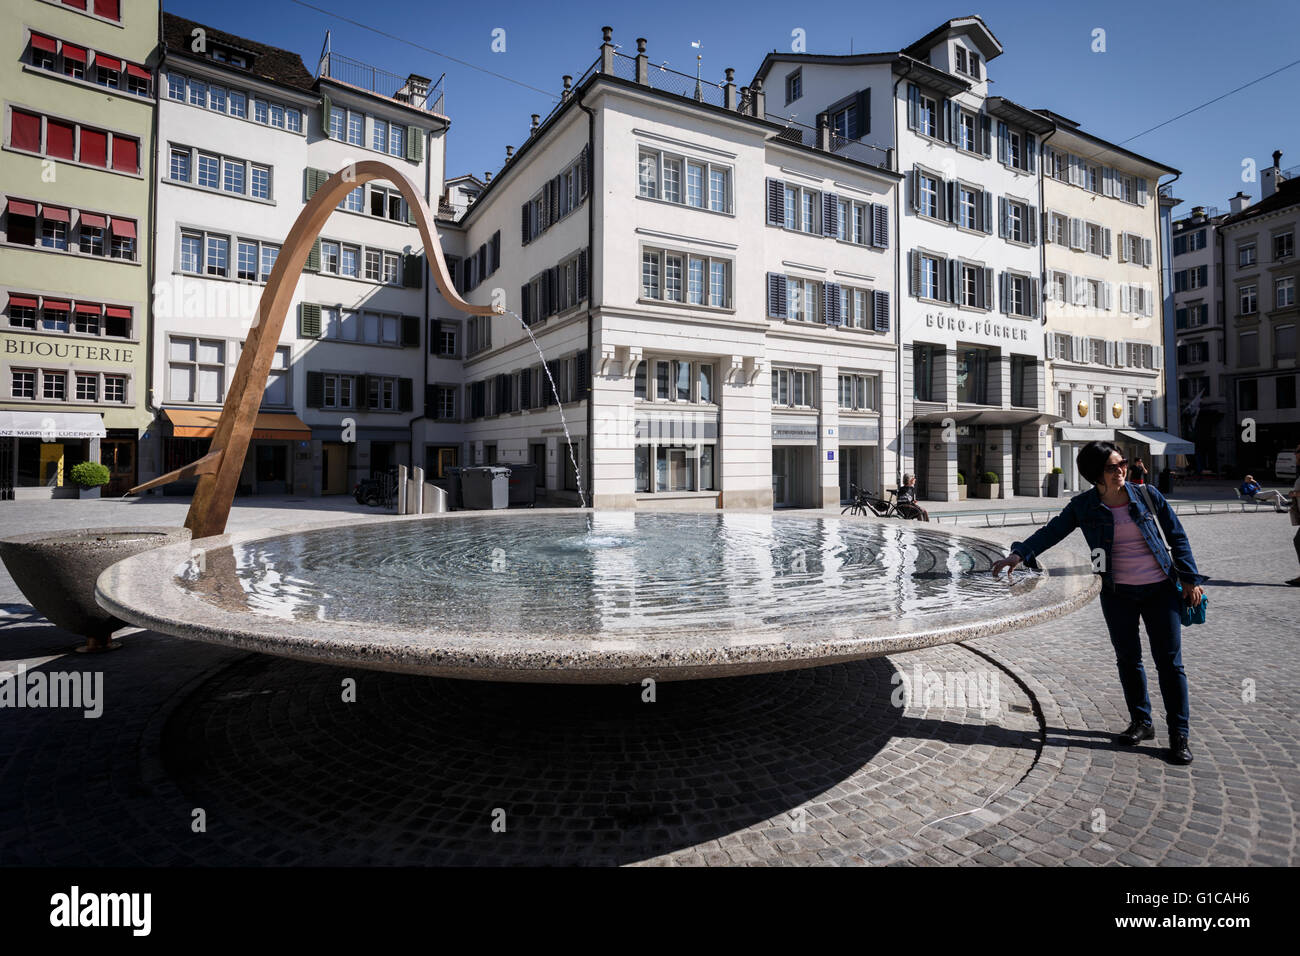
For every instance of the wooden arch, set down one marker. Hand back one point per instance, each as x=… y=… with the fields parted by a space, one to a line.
x=218 y=471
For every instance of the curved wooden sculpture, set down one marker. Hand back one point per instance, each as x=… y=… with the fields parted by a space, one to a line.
x=218 y=471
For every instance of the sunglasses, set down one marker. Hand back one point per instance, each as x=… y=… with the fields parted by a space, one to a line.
x=1115 y=467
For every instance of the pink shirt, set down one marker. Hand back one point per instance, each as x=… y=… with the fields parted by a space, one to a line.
x=1131 y=559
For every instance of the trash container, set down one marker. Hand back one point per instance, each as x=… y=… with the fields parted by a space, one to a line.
x=485 y=487
x=1165 y=484
x=454 y=499
x=523 y=485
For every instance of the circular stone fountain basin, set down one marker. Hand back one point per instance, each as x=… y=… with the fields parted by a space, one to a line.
x=569 y=596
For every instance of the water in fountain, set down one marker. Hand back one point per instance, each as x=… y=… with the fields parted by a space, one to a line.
x=568 y=439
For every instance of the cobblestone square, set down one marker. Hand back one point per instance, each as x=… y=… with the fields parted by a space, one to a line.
x=817 y=767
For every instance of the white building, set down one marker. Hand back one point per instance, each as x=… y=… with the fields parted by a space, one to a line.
x=714 y=294
x=246 y=136
x=971 y=385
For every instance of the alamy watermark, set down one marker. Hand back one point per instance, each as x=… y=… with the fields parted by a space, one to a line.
x=79 y=690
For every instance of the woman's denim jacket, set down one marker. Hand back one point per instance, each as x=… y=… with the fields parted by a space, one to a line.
x=1087 y=512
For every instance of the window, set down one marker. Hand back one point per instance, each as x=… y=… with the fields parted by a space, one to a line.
x=1248 y=299
x=196 y=369
x=191 y=251
x=350 y=262
x=933 y=271
x=1248 y=394
x=1246 y=254
x=22 y=316
x=397 y=140
x=387 y=204
x=967 y=208
x=925 y=363
x=1020 y=295
x=355 y=201
x=966 y=138
x=793 y=388
x=22 y=384
x=329 y=257
x=54 y=234
x=803 y=299
x=857 y=392
x=1099 y=409
x=261 y=111
x=1059 y=288
x=338 y=122
x=1284 y=292
x=379 y=135
x=246 y=260
x=270 y=252
x=218 y=253
x=1096 y=245
x=973 y=374
x=928 y=116
x=180 y=164
x=209 y=167
x=392 y=269
x=1024 y=381
x=1284 y=391
x=54 y=385
x=87 y=388
x=337 y=391
x=929 y=195
x=793 y=86
x=1248 y=348
x=261 y=182
x=1060 y=229
x=1016 y=216
x=232 y=176
x=383 y=393
x=670 y=277
x=356 y=134
x=238 y=105
x=47 y=136
x=447 y=340
x=91 y=238
x=115 y=388
x=659 y=176
x=1284 y=245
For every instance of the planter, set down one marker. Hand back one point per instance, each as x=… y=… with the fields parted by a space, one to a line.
x=1053 y=486
x=57 y=570
x=961 y=492
x=90 y=492
x=986 y=491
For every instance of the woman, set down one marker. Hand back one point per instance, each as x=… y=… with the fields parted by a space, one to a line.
x=1137 y=573
x=907 y=505
x=1138 y=473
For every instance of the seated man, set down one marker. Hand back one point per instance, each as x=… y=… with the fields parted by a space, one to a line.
x=1251 y=489
x=907 y=505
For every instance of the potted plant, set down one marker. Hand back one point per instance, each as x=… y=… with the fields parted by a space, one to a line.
x=987 y=487
x=961 y=486
x=89 y=476
x=1054 y=483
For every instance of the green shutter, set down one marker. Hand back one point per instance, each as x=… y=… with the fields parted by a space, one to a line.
x=313 y=258
x=325 y=110
x=410 y=214
x=309 y=321
x=315 y=180
x=412 y=271
x=414 y=143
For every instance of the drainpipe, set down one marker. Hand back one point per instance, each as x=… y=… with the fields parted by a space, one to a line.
x=1167 y=310
x=898 y=290
x=428 y=301
x=591 y=293
x=151 y=265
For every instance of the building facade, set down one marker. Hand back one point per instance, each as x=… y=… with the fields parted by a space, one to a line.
x=1261 y=273
x=77 y=168
x=1105 y=300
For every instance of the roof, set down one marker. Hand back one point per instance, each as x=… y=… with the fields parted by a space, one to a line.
x=470 y=176
x=1075 y=130
x=988 y=44
x=282 y=67
x=1288 y=194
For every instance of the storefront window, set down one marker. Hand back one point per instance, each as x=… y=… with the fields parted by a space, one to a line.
x=973 y=374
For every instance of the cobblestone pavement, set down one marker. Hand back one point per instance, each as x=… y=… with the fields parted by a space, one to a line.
x=818 y=766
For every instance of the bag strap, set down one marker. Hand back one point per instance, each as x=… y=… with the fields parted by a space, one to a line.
x=1142 y=490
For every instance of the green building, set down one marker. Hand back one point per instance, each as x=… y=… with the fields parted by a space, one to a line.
x=76 y=174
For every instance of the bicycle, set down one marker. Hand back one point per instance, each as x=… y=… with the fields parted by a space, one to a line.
x=864 y=501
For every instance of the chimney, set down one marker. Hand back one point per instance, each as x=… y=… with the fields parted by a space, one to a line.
x=1198 y=212
x=487 y=177
x=607 y=50
x=1238 y=202
x=729 y=90
x=1269 y=178
x=568 y=87
x=536 y=122
x=759 y=107
x=510 y=151
x=823 y=133
x=642 y=63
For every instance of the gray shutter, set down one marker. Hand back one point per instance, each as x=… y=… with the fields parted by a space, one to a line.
x=525 y=304
x=777 y=296
x=914 y=189
x=948 y=112
x=986 y=145
x=525 y=234
x=880 y=310
x=1002 y=217
x=880 y=225
x=831 y=310
x=987 y=222
x=986 y=288
x=951 y=291
x=950 y=201
x=830 y=214
x=1125 y=298
x=1146 y=252
x=1142 y=190
x=410 y=331
x=914 y=286
x=412 y=270
x=1106 y=237
x=1035 y=298
x=913 y=106
x=1002 y=293
x=584 y=277
x=1031 y=152
x=862 y=115
x=1004 y=144
x=309 y=326
x=435 y=336
x=1031 y=221
x=1123 y=247
x=776 y=202
x=315 y=389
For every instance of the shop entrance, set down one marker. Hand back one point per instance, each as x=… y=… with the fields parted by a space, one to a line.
x=272 y=464
x=792 y=476
x=857 y=469
x=118 y=456
x=334 y=468
x=381 y=458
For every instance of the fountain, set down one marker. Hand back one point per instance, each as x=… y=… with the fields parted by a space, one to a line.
x=565 y=596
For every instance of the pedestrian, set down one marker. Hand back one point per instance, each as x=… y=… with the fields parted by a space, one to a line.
x=1139 y=472
x=1138 y=575
x=907 y=505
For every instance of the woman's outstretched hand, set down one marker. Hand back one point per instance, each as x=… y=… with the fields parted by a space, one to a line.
x=1009 y=562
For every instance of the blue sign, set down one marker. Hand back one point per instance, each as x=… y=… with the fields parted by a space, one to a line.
x=830 y=456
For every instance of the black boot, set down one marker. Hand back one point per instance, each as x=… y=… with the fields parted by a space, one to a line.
x=1179 y=752
x=1136 y=731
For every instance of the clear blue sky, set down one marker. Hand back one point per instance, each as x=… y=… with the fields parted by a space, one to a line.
x=1161 y=59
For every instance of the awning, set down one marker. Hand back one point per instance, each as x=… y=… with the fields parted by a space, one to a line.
x=71 y=52
x=123 y=228
x=139 y=72
x=22 y=301
x=1160 y=443
x=91 y=219
x=117 y=312
x=988 y=416
x=43 y=424
x=1087 y=434
x=19 y=208
x=87 y=308
x=58 y=305
x=202 y=423
x=55 y=213
x=42 y=42
x=108 y=63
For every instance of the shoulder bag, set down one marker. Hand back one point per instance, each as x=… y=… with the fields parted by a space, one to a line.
x=1191 y=614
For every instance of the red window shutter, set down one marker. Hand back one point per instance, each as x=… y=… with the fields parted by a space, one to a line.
x=109 y=9
x=77 y=53
x=110 y=63
x=55 y=213
x=22 y=301
x=60 y=140
x=86 y=308
x=126 y=154
x=75 y=4
x=18 y=207
x=117 y=312
x=94 y=220
x=139 y=72
x=94 y=147
x=41 y=42
x=25 y=131
x=123 y=228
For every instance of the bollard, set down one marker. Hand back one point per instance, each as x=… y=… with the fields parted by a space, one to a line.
x=401 y=489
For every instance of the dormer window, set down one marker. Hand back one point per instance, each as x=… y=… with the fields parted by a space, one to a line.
x=961 y=59
x=225 y=56
x=966 y=62
x=974 y=62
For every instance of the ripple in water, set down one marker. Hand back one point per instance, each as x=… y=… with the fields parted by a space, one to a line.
x=566 y=575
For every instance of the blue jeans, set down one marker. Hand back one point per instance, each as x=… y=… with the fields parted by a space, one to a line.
x=1158 y=607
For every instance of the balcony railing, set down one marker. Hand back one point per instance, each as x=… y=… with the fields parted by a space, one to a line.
x=408 y=90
